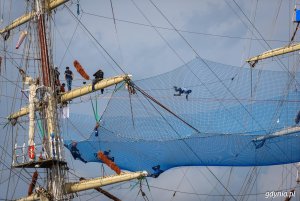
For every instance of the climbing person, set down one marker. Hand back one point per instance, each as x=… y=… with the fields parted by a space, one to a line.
x=297 y=119
x=96 y=129
x=62 y=88
x=182 y=91
x=98 y=76
x=107 y=154
x=69 y=77
x=179 y=90
x=56 y=76
x=75 y=152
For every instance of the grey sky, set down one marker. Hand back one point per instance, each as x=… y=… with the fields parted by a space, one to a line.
x=144 y=54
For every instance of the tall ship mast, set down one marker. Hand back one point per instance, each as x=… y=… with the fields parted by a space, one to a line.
x=52 y=155
x=228 y=126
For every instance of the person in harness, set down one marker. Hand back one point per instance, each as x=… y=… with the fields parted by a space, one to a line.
x=182 y=91
x=75 y=152
x=98 y=76
x=96 y=129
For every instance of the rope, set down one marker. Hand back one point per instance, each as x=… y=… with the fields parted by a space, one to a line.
x=164 y=107
x=95 y=111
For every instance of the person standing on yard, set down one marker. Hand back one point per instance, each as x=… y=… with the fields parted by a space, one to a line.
x=69 y=77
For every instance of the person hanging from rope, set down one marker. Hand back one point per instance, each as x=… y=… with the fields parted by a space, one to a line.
x=297 y=119
x=69 y=77
x=182 y=91
x=96 y=129
x=98 y=77
x=75 y=152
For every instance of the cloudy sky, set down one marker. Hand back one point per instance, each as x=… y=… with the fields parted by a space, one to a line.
x=218 y=30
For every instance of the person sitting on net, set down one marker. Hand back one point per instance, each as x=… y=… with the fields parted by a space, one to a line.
x=98 y=77
x=107 y=154
x=182 y=91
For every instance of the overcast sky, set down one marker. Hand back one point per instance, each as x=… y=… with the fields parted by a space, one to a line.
x=216 y=29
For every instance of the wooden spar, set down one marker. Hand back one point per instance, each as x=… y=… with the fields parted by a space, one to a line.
x=30 y=198
x=273 y=53
x=19 y=21
x=102 y=181
x=75 y=93
x=25 y=18
x=88 y=184
x=81 y=91
x=104 y=192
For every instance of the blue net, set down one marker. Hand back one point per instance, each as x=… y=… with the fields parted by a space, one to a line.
x=232 y=116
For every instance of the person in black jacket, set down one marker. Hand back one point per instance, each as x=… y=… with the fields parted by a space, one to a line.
x=98 y=77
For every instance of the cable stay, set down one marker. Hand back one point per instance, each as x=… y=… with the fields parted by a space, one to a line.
x=162 y=106
x=282 y=50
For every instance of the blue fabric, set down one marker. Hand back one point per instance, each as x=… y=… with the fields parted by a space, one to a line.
x=229 y=112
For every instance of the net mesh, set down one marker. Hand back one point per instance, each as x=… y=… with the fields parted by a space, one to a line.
x=228 y=108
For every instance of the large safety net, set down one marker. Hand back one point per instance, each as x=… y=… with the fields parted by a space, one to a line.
x=233 y=116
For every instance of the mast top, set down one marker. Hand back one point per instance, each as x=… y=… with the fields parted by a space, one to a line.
x=27 y=17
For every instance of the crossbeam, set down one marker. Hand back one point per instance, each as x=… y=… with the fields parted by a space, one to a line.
x=283 y=132
x=273 y=53
x=27 y=17
x=32 y=197
x=88 y=184
x=75 y=93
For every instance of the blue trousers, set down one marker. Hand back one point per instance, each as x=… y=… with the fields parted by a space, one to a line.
x=69 y=84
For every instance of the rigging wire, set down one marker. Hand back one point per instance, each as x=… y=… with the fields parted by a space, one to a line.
x=191 y=149
x=116 y=31
x=67 y=45
x=214 y=195
x=206 y=64
x=182 y=60
x=278 y=60
x=181 y=30
x=88 y=31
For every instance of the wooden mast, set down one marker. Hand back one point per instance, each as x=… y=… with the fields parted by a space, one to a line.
x=57 y=188
x=76 y=93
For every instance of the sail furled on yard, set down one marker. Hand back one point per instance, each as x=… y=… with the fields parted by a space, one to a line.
x=239 y=117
